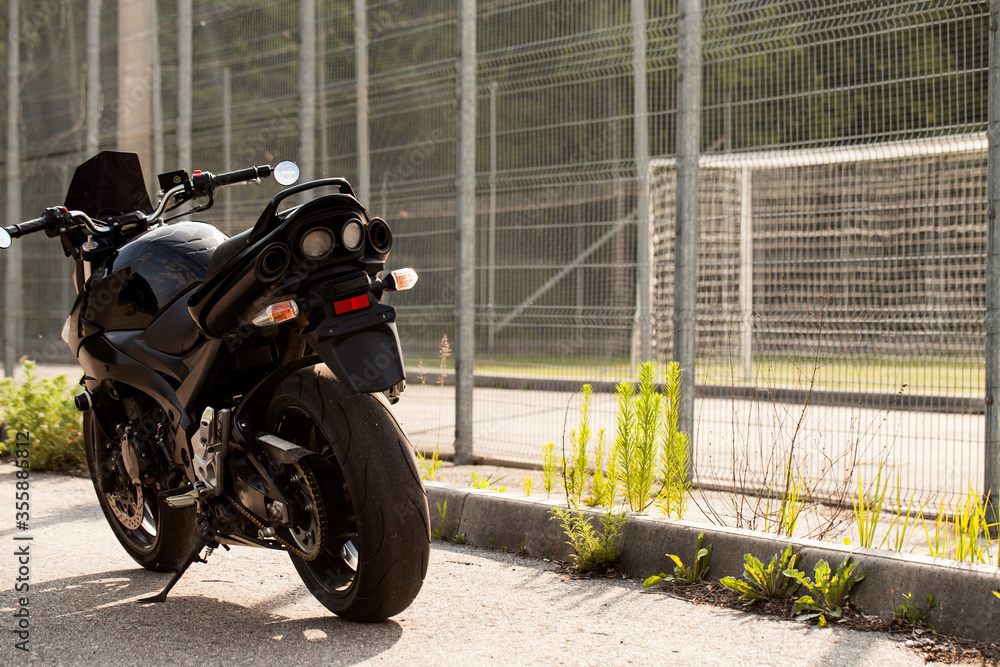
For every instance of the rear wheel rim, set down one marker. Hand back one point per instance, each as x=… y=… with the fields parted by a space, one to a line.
x=335 y=569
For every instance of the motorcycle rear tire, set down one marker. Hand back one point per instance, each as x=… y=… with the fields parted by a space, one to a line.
x=166 y=535
x=366 y=469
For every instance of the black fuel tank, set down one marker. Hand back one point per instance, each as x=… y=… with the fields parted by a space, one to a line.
x=143 y=277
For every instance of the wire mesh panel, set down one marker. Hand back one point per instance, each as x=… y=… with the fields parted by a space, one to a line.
x=842 y=190
x=866 y=292
x=843 y=248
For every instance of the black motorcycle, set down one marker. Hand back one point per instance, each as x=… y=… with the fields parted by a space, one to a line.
x=237 y=390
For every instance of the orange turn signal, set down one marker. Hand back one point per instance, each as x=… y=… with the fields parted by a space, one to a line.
x=404 y=279
x=277 y=313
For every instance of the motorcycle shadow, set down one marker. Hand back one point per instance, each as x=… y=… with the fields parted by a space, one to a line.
x=93 y=609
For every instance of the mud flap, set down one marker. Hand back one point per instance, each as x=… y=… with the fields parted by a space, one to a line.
x=367 y=360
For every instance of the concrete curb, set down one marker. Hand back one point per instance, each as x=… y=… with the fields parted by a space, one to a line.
x=962 y=592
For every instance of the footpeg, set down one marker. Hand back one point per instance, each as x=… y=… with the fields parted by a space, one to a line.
x=189 y=499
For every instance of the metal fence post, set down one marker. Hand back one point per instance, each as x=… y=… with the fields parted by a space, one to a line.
x=361 y=63
x=688 y=148
x=644 y=239
x=184 y=73
x=157 y=93
x=307 y=89
x=13 y=281
x=135 y=77
x=746 y=271
x=491 y=250
x=465 y=252
x=991 y=472
x=227 y=140
x=93 y=104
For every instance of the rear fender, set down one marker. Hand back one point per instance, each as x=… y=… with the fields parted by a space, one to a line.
x=361 y=349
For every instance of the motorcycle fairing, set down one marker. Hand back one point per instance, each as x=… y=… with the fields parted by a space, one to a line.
x=109 y=180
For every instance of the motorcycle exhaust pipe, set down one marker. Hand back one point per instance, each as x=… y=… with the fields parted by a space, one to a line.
x=379 y=238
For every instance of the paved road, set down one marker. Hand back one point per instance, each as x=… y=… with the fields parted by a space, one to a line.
x=476 y=607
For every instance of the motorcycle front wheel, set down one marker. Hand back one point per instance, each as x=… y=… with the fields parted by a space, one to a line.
x=371 y=555
x=157 y=536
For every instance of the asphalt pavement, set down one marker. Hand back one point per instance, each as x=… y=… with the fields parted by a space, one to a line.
x=247 y=606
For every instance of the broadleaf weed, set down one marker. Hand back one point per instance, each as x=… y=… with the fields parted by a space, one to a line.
x=762 y=583
x=828 y=593
x=683 y=574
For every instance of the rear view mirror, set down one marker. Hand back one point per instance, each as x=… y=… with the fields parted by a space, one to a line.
x=286 y=173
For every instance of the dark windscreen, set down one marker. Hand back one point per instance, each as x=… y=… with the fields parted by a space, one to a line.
x=109 y=180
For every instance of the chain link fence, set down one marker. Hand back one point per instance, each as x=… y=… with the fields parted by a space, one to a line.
x=843 y=194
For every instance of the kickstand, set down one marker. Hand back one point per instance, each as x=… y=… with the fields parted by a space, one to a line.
x=204 y=539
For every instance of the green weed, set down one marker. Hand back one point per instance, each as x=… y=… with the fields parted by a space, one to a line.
x=903 y=523
x=441 y=533
x=968 y=536
x=528 y=485
x=625 y=446
x=762 y=583
x=674 y=450
x=575 y=475
x=429 y=466
x=868 y=507
x=487 y=482
x=792 y=503
x=913 y=614
x=43 y=409
x=593 y=550
x=603 y=485
x=682 y=574
x=828 y=593
x=548 y=467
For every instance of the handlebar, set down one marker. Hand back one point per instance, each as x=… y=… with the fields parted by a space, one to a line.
x=241 y=176
x=203 y=183
x=52 y=217
x=28 y=227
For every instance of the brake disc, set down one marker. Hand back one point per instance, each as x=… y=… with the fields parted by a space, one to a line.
x=127 y=505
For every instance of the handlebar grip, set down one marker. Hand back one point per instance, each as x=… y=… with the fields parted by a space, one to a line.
x=241 y=176
x=28 y=227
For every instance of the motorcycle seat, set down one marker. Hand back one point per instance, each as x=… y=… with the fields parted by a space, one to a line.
x=225 y=251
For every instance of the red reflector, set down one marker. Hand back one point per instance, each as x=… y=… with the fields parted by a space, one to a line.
x=348 y=305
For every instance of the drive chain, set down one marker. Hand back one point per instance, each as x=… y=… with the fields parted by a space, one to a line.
x=307 y=477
